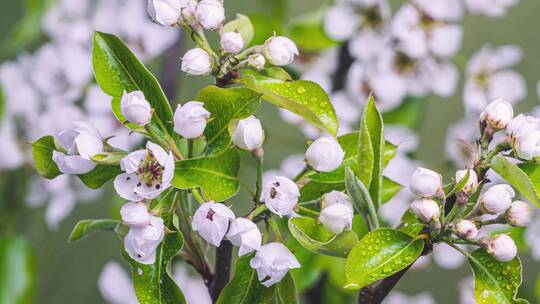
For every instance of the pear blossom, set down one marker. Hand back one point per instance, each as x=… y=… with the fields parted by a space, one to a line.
x=497 y=199
x=519 y=214
x=141 y=242
x=497 y=114
x=135 y=214
x=324 y=154
x=190 y=119
x=248 y=134
x=488 y=76
x=256 y=61
x=115 y=285
x=197 y=62
x=280 y=195
x=210 y=13
x=502 y=247
x=245 y=234
x=148 y=172
x=489 y=8
x=164 y=12
x=280 y=50
x=466 y=229
x=212 y=220
x=136 y=108
x=231 y=42
x=80 y=143
x=273 y=261
x=425 y=183
x=336 y=212
x=426 y=209
x=524 y=132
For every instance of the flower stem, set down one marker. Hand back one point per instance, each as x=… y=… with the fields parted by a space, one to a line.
x=259 y=158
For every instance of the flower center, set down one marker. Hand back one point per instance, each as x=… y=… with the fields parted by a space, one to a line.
x=210 y=214
x=150 y=171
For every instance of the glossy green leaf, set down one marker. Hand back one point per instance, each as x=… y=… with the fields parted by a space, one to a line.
x=245 y=288
x=518 y=178
x=241 y=25
x=305 y=98
x=380 y=254
x=99 y=176
x=376 y=135
x=317 y=238
x=217 y=176
x=407 y=114
x=410 y=224
x=118 y=70
x=389 y=189
x=308 y=33
x=17 y=271
x=226 y=106
x=84 y=228
x=42 y=151
x=314 y=190
x=494 y=281
x=358 y=193
x=366 y=155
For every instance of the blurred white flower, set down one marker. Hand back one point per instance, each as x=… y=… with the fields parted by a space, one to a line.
x=488 y=76
x=447 y=257
x=192 y=286
x=466 y=291
x=396 y=297
x=459 y=138
x=489 y=8
x=115 y=285
x=532 y=236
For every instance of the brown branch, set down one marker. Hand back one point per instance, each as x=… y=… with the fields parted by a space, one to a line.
x=222 y=269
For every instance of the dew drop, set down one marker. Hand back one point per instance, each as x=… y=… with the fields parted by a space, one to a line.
x=301 y=90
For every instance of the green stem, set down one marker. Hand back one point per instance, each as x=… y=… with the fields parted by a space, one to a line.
x=198 y=196
x=190 y=147
x=275 y=229
x=259 y=158
x=260 y=209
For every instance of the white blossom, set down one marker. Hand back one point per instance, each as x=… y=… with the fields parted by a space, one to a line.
x=197 y=62
x=280 y=195
x=497 y=114
x=502 y=248
x=245 y=234
x=248 y=134
x=472 y=181
x=135 y=214
x=212 y=220
x=136 y=108
x=256 y=61
x=231 y=42
x=190 y=119
x=336 y=212
x=210 y=13
x=466 y=229
x=425 y=183
x=147 y=174
x=273 y=261
x=164 y=12
x=497 y=199
x=490 y=8
x=141 y=242
x=426 y=209
x=280 y=50
x=519 y=214
x=115 y=285
x=324 y=154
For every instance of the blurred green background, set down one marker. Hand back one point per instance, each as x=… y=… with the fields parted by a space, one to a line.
x=67 y=273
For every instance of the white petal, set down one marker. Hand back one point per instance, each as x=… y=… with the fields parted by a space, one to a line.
x=72 y=164
x=125 y=184
x=131 y=162
x=88 y=145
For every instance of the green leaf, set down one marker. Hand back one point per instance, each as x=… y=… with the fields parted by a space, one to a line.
x=305 y=98
x=109 y=158
x=494 y=281
x=42 y=151
x=358 y=193
x=84 y=228
x=217 y=176
x=241 y=25
x=28 y=28
x=17 y=271
x=265 y=27
x=376 y=134
x=518 y=178
x=407 y=114
x=226 y=106
x=389 y=189
x=118 y=70
x=308 y=33
x=245 y=288
x=379 y=254
x=153 y=283
x=314 y=190
x=100 y=175
x=410 y=224
x=317 y=238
